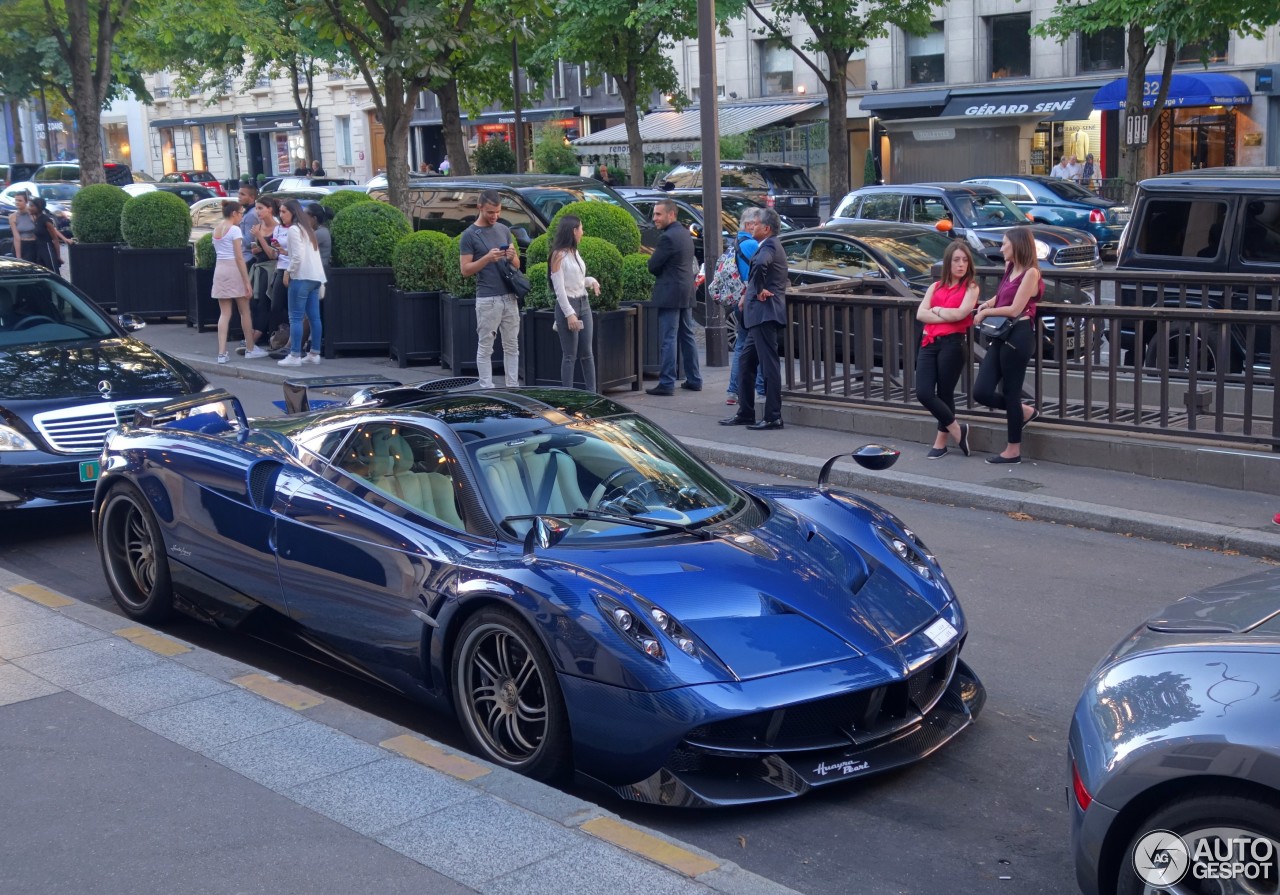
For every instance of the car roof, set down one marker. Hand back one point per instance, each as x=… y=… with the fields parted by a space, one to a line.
x=1025 y=178
x=749 y=163
x=888 y=229
x=1235 y=180
x=512 y=181
x=930 y=188
x=13 y=267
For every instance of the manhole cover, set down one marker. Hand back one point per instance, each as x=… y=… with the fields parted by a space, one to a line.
x=1021 y=485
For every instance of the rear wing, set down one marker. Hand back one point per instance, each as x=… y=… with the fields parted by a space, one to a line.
x=295 y=390
x=374 y=390
x=201 y=412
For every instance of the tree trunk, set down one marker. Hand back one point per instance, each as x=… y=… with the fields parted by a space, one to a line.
x=306 y=112
x=455 y=142
x=1133 y=158
x=837 y=130
x=85 y=102
x=397 y=110
x=15 y=128
x=631 y=115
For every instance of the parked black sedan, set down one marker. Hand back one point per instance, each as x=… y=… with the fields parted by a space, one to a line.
x=68 y=374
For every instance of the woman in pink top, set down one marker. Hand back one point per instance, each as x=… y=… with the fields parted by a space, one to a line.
x=945 y=312
x=1002 y=371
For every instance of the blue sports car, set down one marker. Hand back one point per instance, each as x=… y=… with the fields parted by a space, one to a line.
x=585 y=594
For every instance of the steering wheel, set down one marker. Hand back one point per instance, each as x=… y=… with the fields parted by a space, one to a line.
x=626 y=490
x=28 y=322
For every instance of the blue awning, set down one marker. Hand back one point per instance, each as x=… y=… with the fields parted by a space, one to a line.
x=1206 y=88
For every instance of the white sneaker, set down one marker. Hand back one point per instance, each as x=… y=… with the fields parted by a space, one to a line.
x=255 y=351
x=311 y=358
x=290 y=360
x=222 y=358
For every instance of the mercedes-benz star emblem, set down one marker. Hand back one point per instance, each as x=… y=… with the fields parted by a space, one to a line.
x=104 y=388
x=1161 y=858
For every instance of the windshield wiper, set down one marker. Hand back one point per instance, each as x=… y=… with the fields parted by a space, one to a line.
x=598 y=515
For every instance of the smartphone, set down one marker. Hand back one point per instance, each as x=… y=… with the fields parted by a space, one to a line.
x=505 y=247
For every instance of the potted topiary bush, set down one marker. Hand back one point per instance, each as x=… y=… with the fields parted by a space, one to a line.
x=95 y=223
x=421 y=265
x=340 y=199
x=616 y=329
x=608 y=222
x=357 y=302
x=637 y=289
x=458 y=341
x=151 y=270
x=202 y=310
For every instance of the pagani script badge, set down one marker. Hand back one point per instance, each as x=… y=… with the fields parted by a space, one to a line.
x=844 y=768
x=178 y=550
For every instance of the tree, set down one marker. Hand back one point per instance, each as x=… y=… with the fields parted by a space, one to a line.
x=551 y=152
x=1149 y=24
x=840 y=28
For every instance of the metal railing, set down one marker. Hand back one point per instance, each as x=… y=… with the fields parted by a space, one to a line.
x=1175 y=369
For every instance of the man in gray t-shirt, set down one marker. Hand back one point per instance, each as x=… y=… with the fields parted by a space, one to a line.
x=485 y=246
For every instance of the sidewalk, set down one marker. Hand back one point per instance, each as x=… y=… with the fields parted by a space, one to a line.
x=1160 y=509
x=135 y=763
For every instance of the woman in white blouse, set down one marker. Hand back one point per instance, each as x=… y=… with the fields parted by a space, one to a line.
x=573 y=310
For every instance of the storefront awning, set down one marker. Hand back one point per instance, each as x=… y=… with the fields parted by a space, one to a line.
x=905 y=99
x=1048 y=104
x=190 y=120
x=509 y=117
x=1206 y=88
x=668 y=128
x=271 y=121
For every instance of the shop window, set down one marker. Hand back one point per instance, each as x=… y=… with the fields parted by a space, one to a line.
x=199 y=152
x=1101 y=51
x=1009 y=47
x=1260 y=241
x=115 y=138
x=926 y=56
x=777 y=68
x=168 y=155
x=1182 y=228
x=1203 y=52
x=584 y=80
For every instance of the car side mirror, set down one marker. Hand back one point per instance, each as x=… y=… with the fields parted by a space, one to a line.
x=874 y=457
x=131 y=322
x=695 y=231
x=943 y=226
x=544 y=533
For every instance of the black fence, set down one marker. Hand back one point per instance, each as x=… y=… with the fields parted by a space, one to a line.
x=1158 y=354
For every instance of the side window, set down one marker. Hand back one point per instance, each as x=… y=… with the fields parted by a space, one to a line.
x=410 y=465
x=797 y=251
x=881 y=207
x=684 y=178
x=1260 y=239
x=1181 y=228
x=450 y=211
x=208 y=216
x=848 y=207
x=686 y=217
x=1016 y=192
x=744 y=177
x=834 y=256
x=928 y=210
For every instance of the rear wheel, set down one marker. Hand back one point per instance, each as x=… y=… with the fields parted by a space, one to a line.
x=1185 y=351
x=133 y=556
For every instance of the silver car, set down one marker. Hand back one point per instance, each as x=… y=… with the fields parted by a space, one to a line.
x=1175 y=750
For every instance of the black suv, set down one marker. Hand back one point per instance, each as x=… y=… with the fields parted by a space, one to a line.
x=979 y=214
x=529 y=202
x=786 y=189
x=1208 y=221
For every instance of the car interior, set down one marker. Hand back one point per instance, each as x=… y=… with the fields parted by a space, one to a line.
x=407 y=465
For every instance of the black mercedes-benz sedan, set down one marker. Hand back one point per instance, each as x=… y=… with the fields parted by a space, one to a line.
x=68 y=374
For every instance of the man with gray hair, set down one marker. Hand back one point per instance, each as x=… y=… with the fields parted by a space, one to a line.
x=763 y=317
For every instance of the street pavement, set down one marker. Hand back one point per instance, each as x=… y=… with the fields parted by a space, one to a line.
x=135 y=762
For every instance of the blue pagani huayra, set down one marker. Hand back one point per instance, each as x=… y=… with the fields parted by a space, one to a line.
x=585 y=594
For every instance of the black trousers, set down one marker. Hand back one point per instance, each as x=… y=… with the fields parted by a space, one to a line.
x=1001 y=374
x=938 y=368
x=760 y=353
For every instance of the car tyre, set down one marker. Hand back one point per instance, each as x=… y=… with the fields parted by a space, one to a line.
x=1184 y=352
x=133 y=556
x=1200 y=816
x=507 y=698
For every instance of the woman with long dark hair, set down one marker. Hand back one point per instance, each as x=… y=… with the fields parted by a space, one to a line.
x=1002 y=371
x=230 y=275
x=302 y=278
x=570 y=282
x=945 y=312
x=47 y=238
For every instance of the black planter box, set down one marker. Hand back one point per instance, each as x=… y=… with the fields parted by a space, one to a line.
x=458 y=340
x=651 y=355
x=615 y=344
x=152 y=282
x=415 y=338
x=356 y=310
x=93 y=272
x=203 y=308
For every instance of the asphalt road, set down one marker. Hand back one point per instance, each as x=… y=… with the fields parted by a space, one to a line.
x=1044 y=603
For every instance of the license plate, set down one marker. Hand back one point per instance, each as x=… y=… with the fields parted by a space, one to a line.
x=90 y=470
x=1069 y=343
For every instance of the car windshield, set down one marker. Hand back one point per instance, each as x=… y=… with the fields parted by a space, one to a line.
x=60 y=192
x=620 y=466
x=550 y=199
x=987 y=210
x=913 y=255
x=789 y=180
x=39 y=310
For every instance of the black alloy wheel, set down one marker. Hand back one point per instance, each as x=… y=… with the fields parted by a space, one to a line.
x=133 y=556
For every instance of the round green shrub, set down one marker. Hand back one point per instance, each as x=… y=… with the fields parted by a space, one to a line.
x=605 y=221
x=340 y=199
x=539 y=250
x=604 y=262
x=421 y=261
x=365 y=234
x=494 y=156
x=540 y=295
x=95 y=213
x=462 y=287
x=637 y=282
x=158 y=220
x=206 y=257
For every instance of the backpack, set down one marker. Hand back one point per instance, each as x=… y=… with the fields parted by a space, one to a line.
x=727 y=286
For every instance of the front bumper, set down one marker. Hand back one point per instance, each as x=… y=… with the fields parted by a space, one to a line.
x=34 y=479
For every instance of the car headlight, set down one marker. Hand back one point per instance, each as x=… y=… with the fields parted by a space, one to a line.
x=1042 y=250
x=13 y=440
x=639 y=630
x=910 y=549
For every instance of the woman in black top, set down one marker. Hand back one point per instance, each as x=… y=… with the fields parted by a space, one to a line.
x=47 y=237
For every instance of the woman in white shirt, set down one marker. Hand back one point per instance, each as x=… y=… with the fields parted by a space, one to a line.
x=303 y=277
x=230 y=276
x=573 y=310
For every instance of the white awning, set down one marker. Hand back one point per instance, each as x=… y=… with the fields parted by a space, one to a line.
x=673 y=129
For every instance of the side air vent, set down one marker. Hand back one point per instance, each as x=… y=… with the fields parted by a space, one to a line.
x=262 y=482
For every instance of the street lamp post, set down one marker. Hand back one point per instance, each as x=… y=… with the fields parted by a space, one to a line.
x=717 y=337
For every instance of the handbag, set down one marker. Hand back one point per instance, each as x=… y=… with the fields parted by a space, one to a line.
x=996 y=328
x=517 y=283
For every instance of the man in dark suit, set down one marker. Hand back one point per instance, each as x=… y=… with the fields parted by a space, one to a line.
x=672 y=263
x=763 y=317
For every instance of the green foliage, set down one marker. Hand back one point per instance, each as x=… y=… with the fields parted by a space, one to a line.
x=608 y=222
x=869 y=169
x=340 y=199
x=734 y=145
x=206 y=257
x=539 y=250
x=540 y=294
x=158 y=220
x=422 y=260
x=365 y=234
x=551 y=154
x=463 y=287
x=652 y=171
x=604 y=262
x=95 y=213
x=637 y=282
x=494 y=156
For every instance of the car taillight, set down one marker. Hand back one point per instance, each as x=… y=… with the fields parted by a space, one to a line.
x=1083 y=799
x=768 y=200
x=1097 y=217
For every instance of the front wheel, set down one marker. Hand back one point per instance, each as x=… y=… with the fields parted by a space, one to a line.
x=133 y=556
x=507 y=698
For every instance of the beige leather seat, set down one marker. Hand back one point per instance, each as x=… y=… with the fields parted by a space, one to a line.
x=430 y=492
x=518 y=481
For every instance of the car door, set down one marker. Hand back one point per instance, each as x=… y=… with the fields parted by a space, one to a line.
x=797 y=260
x=362 y=561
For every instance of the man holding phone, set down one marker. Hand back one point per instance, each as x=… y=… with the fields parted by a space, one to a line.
x=485 y=247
